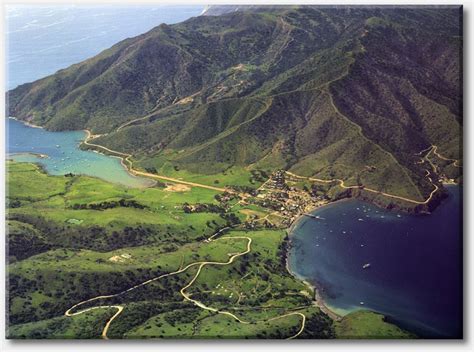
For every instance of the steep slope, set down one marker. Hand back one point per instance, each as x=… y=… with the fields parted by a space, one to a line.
x=164 y=66
x=348 y=93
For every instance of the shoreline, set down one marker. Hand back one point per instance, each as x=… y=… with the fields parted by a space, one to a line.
x=26 y=123
x=317 y=298
x=122 y=159
x=152 y=183
x=37 y=155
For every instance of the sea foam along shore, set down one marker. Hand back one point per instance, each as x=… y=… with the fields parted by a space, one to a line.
x=26 y=123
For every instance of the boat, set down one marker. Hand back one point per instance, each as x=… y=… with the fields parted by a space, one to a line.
x=366 y=266
x=361 y=303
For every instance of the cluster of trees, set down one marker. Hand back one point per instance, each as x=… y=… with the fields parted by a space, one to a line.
x=230 y=218
x=202 y=208
x=244 y=189
x=100 y=238
x=317 y=191
x=126 y=203
x=282 y=252
x=268 y=203
x=24 y=243
x=318 y=326
x=12 y=203
x=225 y=197
x=258 y=175
x=151 y=170
x=137 y=313
x=182 y=316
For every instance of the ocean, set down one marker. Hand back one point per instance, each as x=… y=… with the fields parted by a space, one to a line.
x=41 y=39
x=407 y=267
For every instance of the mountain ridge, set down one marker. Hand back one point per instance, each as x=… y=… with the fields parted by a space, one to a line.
x=305 y=89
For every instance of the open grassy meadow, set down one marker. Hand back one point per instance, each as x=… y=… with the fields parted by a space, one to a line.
x=87 y=237
x=84 y=246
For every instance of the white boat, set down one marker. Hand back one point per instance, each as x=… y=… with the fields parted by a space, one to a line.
x=361 y=303
x=366 y=266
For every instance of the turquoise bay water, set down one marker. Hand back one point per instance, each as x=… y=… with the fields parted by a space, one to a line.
x=64 y=155
x=415 y=272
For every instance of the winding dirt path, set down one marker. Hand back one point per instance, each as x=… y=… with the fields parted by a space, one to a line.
x=341 y=184
x=432 y=149
x=435 y=152
x=186 y=296
x=126 y=159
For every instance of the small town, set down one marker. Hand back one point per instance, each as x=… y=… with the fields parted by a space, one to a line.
x=288 y=201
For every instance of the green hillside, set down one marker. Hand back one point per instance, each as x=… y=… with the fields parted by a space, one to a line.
x=246 y=120
x=319 y=91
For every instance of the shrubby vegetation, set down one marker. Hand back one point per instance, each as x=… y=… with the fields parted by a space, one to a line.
x=289 y=89
x=56 y=263
x=109 y=205
x=301 y=89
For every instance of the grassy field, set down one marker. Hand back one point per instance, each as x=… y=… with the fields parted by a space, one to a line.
x=365 y=324
x=75 y=238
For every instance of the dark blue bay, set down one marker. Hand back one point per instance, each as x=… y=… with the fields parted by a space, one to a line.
x=415 y=273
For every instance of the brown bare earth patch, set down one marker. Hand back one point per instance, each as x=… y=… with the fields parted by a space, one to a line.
x=176 y=187
x=186 y=100
x=249 y=213
x=120 y=258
